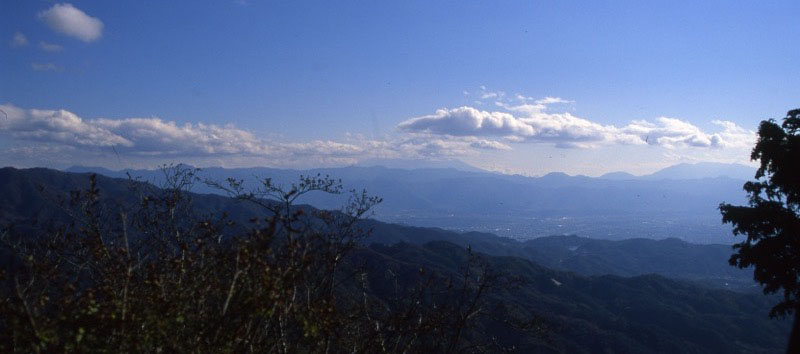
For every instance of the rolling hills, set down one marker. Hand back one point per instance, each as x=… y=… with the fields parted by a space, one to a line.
x=680 y=201
x=588 y=295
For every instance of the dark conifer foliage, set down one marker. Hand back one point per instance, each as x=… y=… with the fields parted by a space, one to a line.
x=771 y=221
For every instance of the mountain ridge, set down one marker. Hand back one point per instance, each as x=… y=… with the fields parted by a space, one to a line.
x=517 y=206
x=680 y=171
x=582 y=255
x=587 y=313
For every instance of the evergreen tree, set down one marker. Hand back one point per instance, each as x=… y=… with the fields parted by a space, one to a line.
x=771 y=221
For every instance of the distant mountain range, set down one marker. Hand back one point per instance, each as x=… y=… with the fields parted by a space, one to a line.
x=692 y=171
x=408 y=164
x=680 y=201
x=674 y=258
x=579 y=287
x=679 y=171
x=31 y=194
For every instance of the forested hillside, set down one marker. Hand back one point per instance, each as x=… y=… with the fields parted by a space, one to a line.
x=529 y=305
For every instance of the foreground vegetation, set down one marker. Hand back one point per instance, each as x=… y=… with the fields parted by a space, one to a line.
x=771 y=220
x=199 y=273
x=155 y=277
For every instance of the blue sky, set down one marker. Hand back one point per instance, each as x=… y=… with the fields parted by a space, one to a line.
x=524 y=87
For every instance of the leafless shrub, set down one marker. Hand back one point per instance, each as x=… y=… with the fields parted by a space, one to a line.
x=155 y=277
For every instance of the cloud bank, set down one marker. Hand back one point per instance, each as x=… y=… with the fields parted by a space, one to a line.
x=71 y=21
x=61 y=131
x=532 y=122
x=59 y=136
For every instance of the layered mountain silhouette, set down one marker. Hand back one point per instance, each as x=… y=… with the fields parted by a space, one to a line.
x=592 y=295
x=680 y=201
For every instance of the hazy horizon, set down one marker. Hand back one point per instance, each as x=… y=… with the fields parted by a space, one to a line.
x=406 y=164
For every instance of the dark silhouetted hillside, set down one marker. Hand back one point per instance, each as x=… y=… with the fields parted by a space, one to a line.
x=563 y=281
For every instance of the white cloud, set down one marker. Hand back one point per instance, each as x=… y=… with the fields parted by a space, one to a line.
x=535 y=125
x=61 y=136
x=50 y=47
x=672 y=133
x=71 y=21
x=44 y=66
x=531 y=122
x=18 y=40
x=424 y=145
x=56 y=126
x=732 y=136
x=467 y=121
x=669 y=132
x=155 y=139
x=549 y=100
x=489 y=145
x=486 y=94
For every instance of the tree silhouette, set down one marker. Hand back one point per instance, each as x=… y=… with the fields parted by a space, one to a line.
x=153 y=275
x=771 y=221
